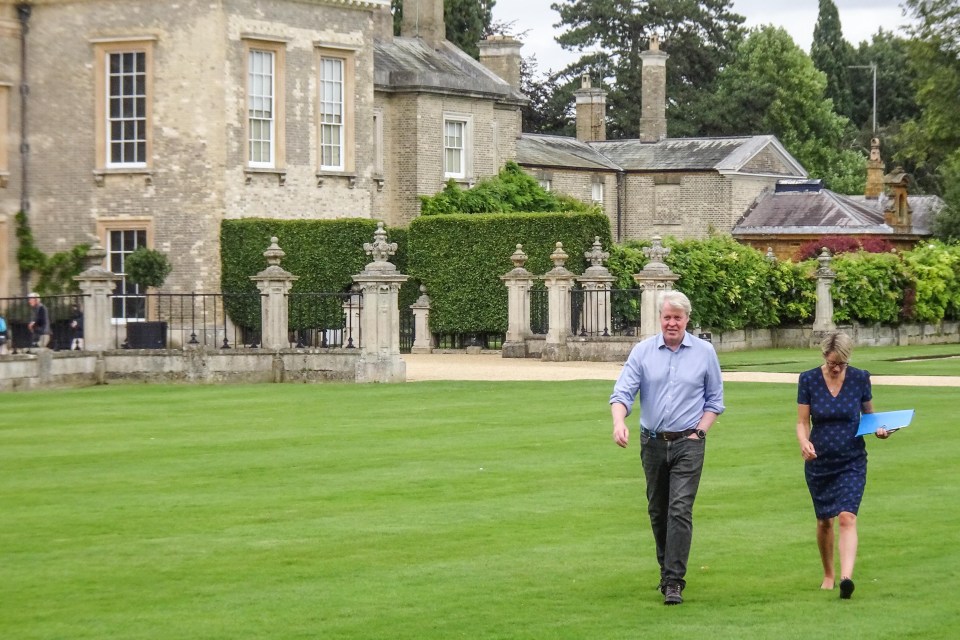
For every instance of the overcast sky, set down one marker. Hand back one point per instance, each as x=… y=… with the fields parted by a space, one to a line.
x=859 y=19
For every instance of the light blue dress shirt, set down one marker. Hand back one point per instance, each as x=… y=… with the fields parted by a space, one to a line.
x=675 y=387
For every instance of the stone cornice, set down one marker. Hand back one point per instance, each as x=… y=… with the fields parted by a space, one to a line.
x=360 y=4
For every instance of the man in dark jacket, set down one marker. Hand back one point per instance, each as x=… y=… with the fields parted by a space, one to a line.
x=40 y=322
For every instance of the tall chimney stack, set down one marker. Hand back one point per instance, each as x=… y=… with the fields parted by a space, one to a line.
x=591 y=111
x=653 y=120
x=501 y=54
x=874 y=188
x=424 y=19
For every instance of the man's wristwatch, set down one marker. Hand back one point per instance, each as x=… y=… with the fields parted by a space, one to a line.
x=701 y=434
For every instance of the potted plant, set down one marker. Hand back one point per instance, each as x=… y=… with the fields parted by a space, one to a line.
x=147 y=268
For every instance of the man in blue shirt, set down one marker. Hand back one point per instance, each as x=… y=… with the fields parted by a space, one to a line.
x=677 y=377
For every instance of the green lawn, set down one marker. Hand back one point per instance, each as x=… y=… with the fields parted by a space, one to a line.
x=915 y=360
x=443 y=510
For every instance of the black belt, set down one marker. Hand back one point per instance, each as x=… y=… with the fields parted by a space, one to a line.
x=669 y=436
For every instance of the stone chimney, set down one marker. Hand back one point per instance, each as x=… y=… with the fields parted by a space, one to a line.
x=653 y=120
x=383 y=24
x=874 y=188
x=424 y=19
x=898 y=213
x=501 y=54
x=591 y=111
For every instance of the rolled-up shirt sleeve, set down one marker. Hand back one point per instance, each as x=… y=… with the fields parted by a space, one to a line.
x=628 y=383
x=713 y=388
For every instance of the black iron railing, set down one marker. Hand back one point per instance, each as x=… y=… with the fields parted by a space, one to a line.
x=182 y=320
x=324 y=320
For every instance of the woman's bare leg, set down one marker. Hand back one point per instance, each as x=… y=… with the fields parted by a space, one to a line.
x=825 y=544
x=848 y=543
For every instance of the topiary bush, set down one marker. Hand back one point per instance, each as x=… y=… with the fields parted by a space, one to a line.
x=147 y=268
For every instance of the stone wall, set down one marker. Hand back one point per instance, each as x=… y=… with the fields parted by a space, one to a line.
x=54 y=369
x=617 y=348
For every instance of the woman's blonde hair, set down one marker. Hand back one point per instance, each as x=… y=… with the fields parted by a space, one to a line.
x=838 y=343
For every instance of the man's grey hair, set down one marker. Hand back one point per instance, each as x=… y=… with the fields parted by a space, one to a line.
x=676 y=300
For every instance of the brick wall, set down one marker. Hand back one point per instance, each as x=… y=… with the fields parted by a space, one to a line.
x=413 y=133
x=197 y=176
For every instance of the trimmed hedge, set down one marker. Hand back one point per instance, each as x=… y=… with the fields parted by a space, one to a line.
x=325 y=254
x=460 y=258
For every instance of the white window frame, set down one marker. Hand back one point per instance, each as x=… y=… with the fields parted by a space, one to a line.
x=129 y=302
x=261 y=108
x=463 y=169
x=546 y=184
x=332 y=113
x=140 y=112
x=378 y=141
x=4 y=132
x=255 y=44
x=126 y=113
x=596 y=192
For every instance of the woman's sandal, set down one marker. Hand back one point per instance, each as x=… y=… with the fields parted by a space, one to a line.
x=846 y=588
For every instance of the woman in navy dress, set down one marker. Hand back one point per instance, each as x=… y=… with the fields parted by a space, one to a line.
x=830 y=400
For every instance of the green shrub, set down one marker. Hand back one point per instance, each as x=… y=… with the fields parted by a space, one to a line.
x=460 y=259
x=869 y=287
x=510 y=191
x=324 y=254
x=729 y=284
x=934 y=268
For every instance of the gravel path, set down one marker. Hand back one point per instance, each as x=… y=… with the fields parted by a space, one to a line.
x=490 y=366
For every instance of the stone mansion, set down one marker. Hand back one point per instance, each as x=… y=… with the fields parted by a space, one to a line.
x=149 y=122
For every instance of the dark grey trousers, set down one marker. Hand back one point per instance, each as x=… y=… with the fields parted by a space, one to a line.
x=673 y=477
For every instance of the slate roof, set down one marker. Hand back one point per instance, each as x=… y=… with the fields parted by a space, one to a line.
x=923 y=210
x=409 y=64
x=560 y=151
x=805 y=207
x=725 y=155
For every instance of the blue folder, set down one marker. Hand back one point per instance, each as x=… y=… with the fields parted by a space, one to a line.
x=889 y=420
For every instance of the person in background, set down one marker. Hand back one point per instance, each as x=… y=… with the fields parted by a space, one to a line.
x=76 y=328
x=3 y=336
x=830 y=399
x=40 y=321
x=677 y=377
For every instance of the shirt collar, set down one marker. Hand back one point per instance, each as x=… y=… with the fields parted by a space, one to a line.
x=687 y=340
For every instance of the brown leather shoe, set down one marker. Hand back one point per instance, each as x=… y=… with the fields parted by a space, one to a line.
x=671 y=594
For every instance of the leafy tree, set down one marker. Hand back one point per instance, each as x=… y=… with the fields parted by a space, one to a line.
x=699 y=35
x=550 y=109
x=832 y=55
x=467 y=21
x=946 y=226
x=773 y=88
x=932 y=139
x=510 y=191
x=896 y=98
x=937 y=21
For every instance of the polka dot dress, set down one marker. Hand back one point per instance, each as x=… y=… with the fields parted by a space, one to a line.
x=837 y=476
